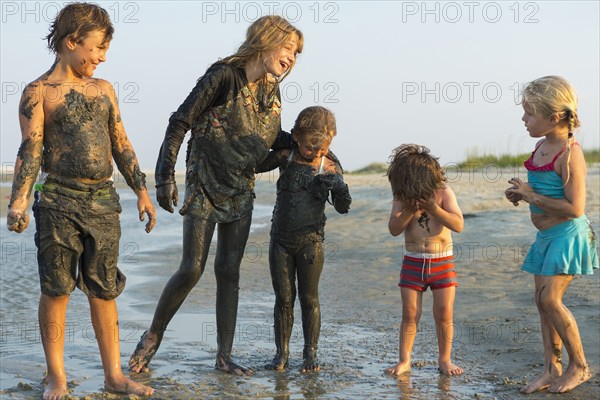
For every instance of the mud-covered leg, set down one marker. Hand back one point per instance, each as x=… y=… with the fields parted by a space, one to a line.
x=283 y=272
x=197 y=235
x=551 y=300
x=309 y=264
x=552 y=346
x=231 y=243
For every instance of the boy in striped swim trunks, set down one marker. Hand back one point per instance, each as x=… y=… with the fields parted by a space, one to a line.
x=426 y=211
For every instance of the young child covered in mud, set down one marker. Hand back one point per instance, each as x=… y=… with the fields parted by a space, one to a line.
x=425 y=210
x=71 y=127
x=565 y=244
x=308 y=173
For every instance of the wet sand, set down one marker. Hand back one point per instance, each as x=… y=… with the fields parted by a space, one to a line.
x=497 y=334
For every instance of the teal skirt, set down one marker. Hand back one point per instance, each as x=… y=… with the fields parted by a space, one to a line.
x=567 y=248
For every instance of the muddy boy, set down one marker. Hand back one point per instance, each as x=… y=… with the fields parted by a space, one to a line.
x=71 y=128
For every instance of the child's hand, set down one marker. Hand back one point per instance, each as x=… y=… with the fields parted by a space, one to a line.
x=518 y=191
x=410 y=206
x=145 y=206
x=17 y=221
x=513 y=197
x=427 y=205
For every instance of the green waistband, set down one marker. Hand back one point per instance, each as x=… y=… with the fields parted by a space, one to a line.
x=52 y=187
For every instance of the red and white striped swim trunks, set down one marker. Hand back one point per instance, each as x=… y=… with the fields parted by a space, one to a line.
x=423 y=270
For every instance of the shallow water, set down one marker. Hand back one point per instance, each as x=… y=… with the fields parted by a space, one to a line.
x=496 y=334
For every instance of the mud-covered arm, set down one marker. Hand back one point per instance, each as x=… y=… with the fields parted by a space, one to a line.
x=333 y=180
x=340 y=194
x=275 y=159
x=209 y=87
x=126 y=160
x=283 y=141
x=29 y=156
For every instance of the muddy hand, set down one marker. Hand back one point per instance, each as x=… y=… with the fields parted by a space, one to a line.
x=166 y=195
x=512 y=197
x=17 y=221
x=151 y=218
x=512 y=194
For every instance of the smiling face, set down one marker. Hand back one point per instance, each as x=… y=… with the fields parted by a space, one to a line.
x=280 y=60
x=85 y=56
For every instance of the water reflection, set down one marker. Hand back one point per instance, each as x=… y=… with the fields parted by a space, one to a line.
x=405 y=386
x=282 y=391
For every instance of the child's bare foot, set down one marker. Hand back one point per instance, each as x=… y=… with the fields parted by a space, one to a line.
x=543 y=381
x=310 y=364
x=56 y=388
x=279 y=363
x=125 y=385
x=232 y=368
x=144 y=351
x=398 y=369
x=573 y=377
x=447 y=368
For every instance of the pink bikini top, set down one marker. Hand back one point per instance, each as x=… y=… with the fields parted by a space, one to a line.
x=530 y=166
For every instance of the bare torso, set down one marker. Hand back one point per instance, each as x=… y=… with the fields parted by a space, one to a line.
x=428 y=237
x=78 y=119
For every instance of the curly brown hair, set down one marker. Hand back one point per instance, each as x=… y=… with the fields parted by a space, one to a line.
x=77 y=20
x=414 y=173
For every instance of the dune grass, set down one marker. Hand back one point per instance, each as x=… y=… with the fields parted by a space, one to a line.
x=476 y=160
x=509 y=160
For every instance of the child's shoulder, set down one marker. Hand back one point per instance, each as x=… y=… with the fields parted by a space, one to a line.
x=445 y=191
x=46 y=87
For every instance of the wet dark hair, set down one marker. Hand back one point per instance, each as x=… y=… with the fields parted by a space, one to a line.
x=414 y=173
x=315 y=123
x=77 y=20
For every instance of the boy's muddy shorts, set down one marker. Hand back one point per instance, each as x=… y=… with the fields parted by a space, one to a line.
x=77 y=236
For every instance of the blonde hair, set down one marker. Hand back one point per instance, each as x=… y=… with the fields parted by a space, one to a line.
x=266 y=34
x=77 y=20
x=316 y=124
x=552 y=95
x=414 y=173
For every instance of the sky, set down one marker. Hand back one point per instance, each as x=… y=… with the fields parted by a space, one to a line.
x=443 y=74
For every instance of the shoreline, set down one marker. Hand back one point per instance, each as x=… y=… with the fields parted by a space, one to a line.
x=497 y=336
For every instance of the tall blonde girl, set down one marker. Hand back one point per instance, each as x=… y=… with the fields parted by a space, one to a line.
x=234 y=114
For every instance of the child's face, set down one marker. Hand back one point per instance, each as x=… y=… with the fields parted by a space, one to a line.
x=313 y=147
x=537 y=125
x=84 y=57
x=280 y=60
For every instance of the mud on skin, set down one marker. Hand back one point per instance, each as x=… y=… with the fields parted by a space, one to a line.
x=30 y=165
x=77 y=139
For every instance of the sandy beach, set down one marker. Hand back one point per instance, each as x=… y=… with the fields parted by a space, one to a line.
x=497 y=333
